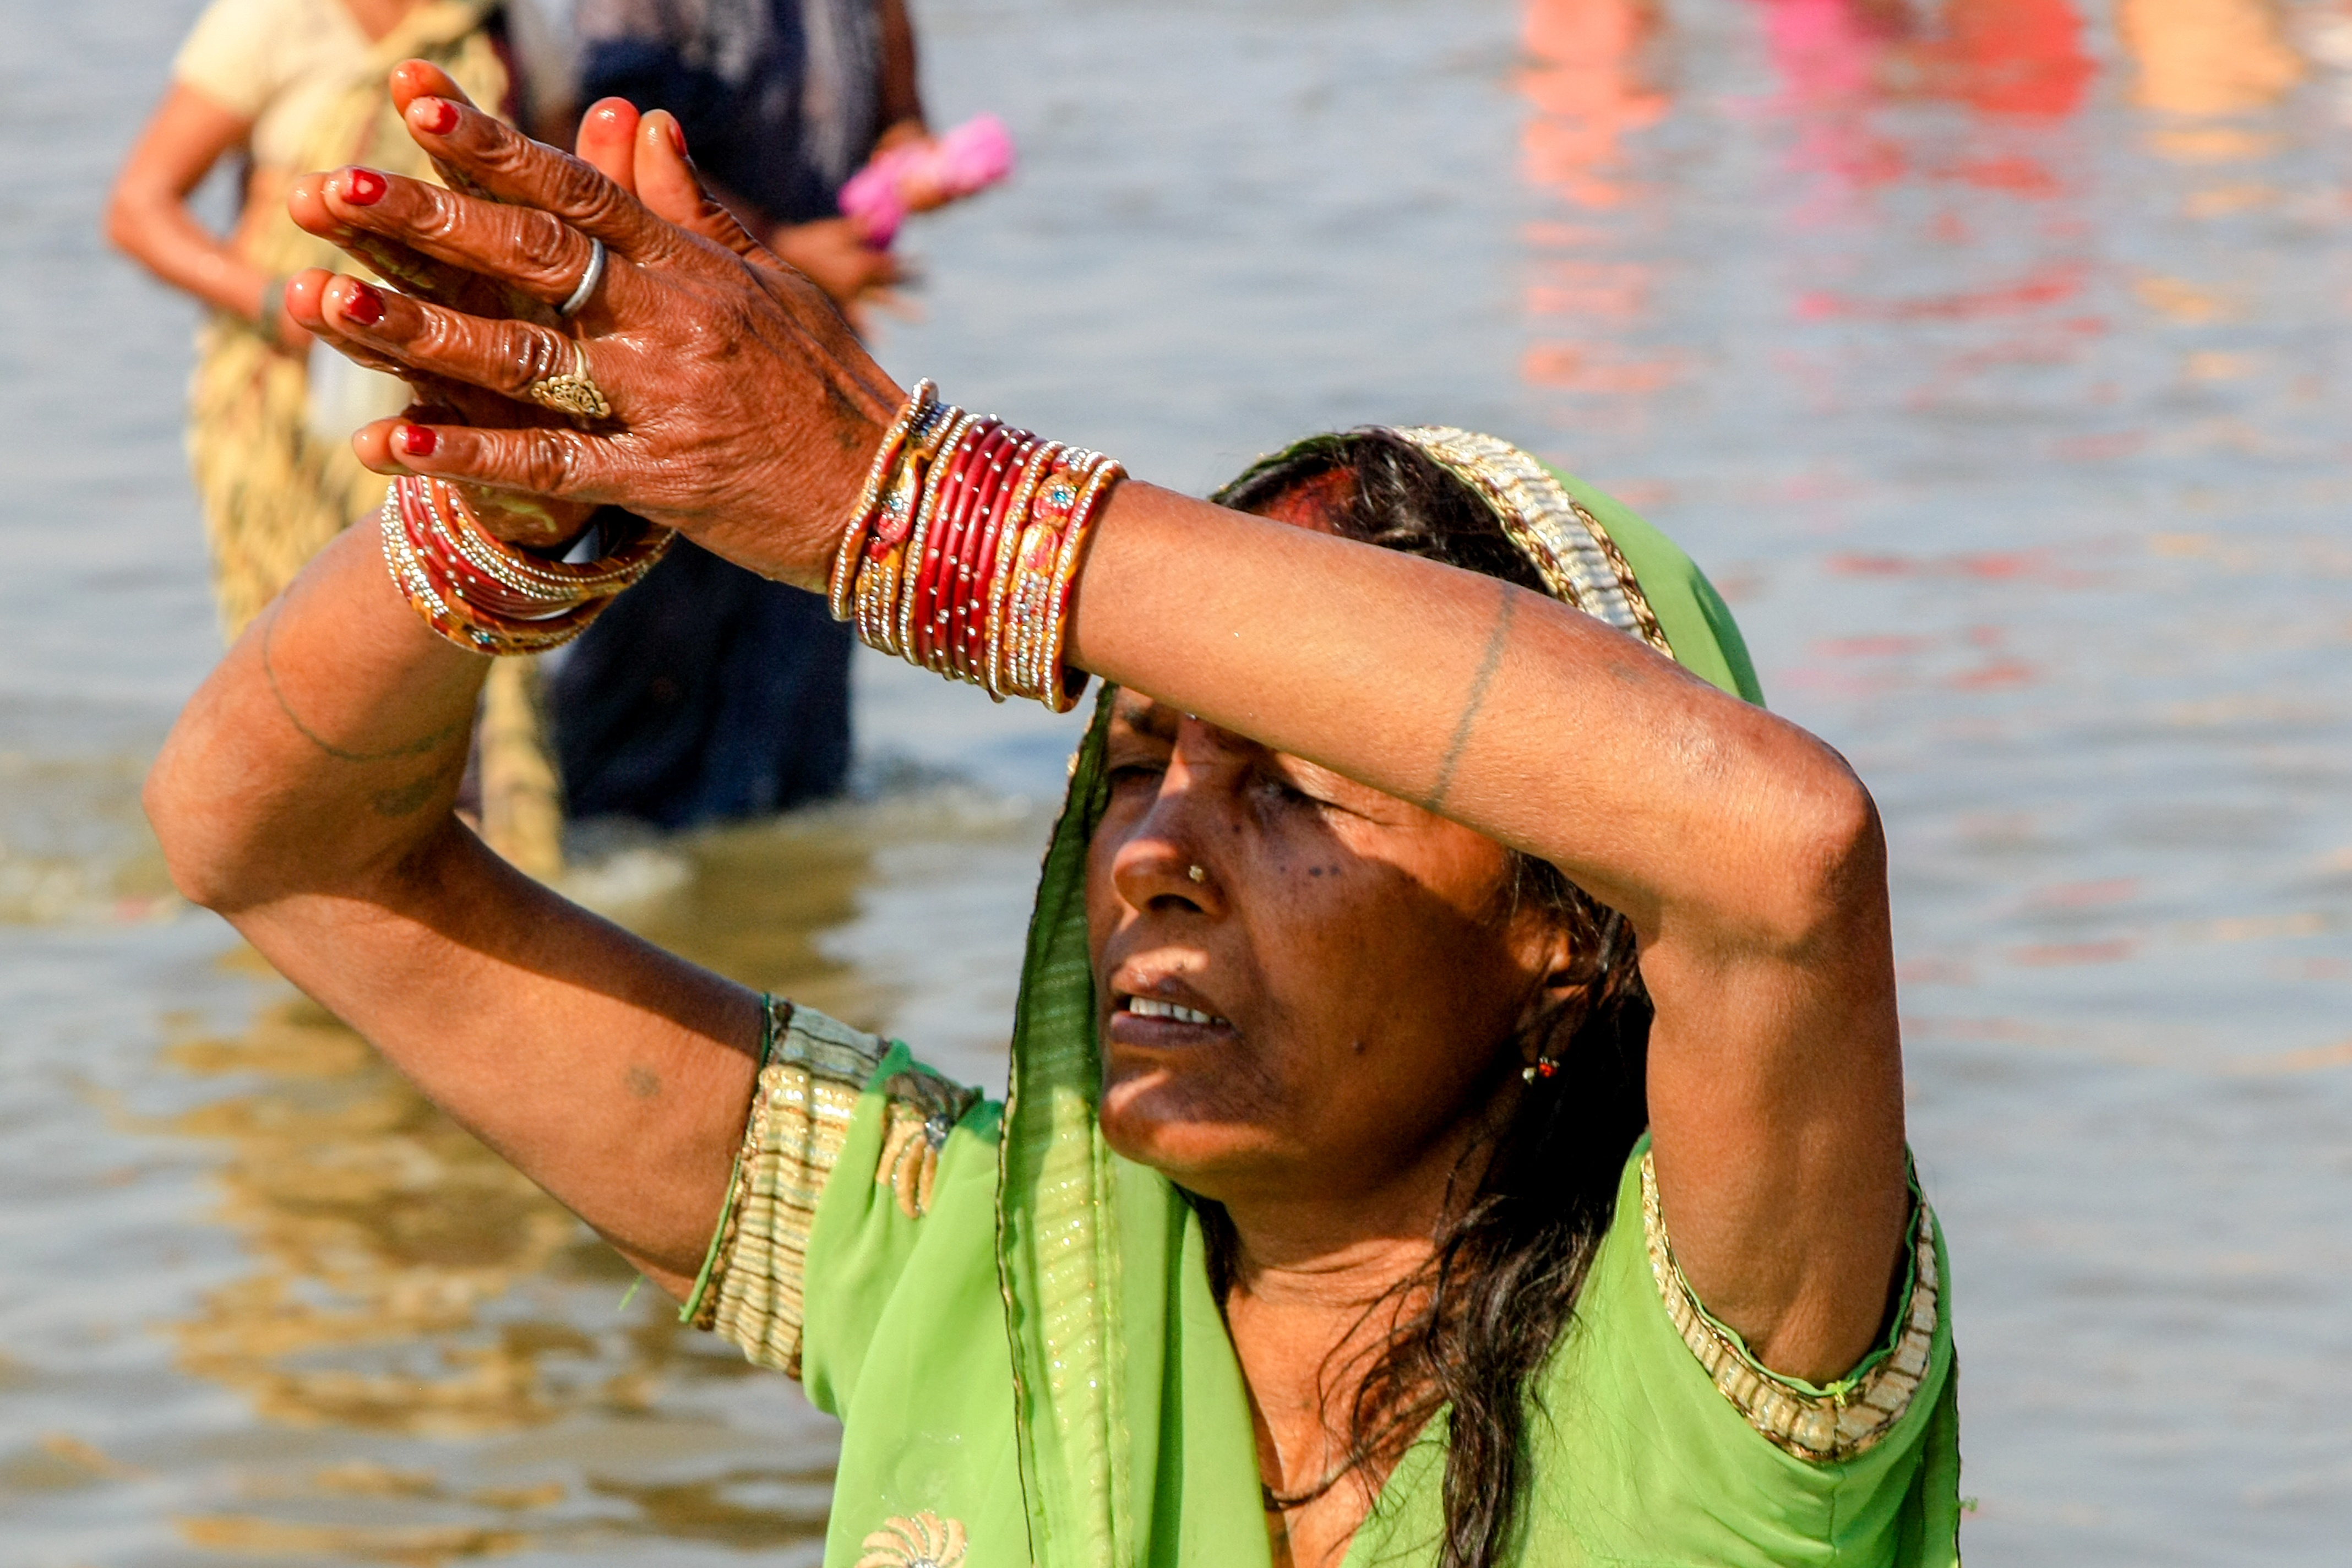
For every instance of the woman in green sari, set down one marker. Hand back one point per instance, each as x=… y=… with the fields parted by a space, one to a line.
x=1455 y=1112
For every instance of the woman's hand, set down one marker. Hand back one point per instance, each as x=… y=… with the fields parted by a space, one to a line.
x=744 y=413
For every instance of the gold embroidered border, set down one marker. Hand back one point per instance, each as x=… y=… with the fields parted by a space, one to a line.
x=815 y=1072
x=1822 y=1426
x=1571 y=549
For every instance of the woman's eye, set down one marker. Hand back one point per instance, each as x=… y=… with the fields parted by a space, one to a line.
x=1126 y=776
x=1277 y=788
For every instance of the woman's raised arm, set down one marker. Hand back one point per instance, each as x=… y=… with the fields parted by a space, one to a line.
x=307 y=794
x=1744 y=851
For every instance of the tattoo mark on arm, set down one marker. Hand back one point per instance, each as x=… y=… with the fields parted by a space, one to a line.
x=1488 y=663
x=416 y=748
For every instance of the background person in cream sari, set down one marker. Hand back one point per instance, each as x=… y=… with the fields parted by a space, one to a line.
x=292 y=85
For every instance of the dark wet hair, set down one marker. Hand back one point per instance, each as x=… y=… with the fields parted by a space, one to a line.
x=1483 y=1315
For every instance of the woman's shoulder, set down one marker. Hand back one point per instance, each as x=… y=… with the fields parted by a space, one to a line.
x=850 y=1150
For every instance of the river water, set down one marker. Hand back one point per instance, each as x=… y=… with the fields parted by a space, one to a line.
x=1992 y=357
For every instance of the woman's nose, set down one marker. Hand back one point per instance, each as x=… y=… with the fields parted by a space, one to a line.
x=1168 y=862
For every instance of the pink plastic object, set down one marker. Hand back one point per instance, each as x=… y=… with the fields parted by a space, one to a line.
x=972 y=157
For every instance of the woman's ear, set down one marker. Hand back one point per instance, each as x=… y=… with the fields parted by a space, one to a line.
x=1561 y=968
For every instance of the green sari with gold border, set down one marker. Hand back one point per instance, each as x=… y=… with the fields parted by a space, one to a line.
x=1016 y=1326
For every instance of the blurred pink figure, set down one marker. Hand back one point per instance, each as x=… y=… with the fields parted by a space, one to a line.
x=922 y=175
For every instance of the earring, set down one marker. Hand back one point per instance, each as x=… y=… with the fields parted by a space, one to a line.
x=1197 y=874
x=1542 y=1066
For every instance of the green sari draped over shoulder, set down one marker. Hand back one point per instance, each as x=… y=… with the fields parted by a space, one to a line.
x=1016 y=1326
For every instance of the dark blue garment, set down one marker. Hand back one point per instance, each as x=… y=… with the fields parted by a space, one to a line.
x=706 y=692
x=761 y=117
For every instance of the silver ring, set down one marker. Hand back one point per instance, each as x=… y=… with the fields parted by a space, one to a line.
x=1197 y=874
x=588 y=281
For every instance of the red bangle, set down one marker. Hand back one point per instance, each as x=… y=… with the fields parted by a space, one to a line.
x=970 y=475
x=899 y=587
x=487 y=595
x=968 y=617
x=965 y=549
x=955 y=567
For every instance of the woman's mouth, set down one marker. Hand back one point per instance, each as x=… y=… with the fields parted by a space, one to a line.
x=1151 y=1007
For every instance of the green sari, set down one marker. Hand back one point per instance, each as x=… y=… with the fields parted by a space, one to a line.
x=1016 y=1327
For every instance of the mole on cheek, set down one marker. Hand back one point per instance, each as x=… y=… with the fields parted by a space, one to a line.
x=644 y=1083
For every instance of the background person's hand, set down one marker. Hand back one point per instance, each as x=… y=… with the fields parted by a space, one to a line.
x=744 y=411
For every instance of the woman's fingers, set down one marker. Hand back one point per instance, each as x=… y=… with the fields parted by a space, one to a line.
x=541 y=255
x=418 y=274
x=412 y=80
x=508 y=357
x=557 y=464
x=306 y=302
x=607 y=139
x=666 y=180
x=511 y=167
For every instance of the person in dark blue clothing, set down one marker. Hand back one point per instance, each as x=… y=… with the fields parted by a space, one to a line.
x=709 y=693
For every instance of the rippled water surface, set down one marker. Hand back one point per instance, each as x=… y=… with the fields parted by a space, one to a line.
x=1990 y=357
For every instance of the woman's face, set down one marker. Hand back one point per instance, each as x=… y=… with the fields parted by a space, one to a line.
x=1318 y=1011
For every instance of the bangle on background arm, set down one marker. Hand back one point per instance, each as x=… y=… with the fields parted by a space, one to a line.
x=488 y=597
x=273 y=309
x=963 y=552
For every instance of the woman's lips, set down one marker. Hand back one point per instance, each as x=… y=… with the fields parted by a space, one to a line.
x=1154 y=1021
x=1152 y=1007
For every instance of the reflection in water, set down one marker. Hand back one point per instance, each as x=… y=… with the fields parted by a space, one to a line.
x=382 y=1230
x=2208 y=57
x=1588 y=82
x=402 y=1271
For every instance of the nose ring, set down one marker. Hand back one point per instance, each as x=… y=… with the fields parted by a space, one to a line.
x=1197 y=874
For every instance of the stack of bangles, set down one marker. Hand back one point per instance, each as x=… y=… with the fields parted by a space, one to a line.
x=964 y=548
x=488 y=597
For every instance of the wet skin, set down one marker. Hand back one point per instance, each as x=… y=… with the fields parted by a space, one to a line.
x=1354 y=953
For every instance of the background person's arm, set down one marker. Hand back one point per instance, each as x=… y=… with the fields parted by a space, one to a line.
x=147 y=215
x=902 y=90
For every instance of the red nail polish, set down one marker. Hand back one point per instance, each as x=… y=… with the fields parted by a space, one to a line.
x=438 y=116
x=416 y=441
x=365 y=306
x=365 y=187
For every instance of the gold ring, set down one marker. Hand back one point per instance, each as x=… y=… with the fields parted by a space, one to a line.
x=576 y=394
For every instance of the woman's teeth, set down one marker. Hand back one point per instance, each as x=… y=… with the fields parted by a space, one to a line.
x=1145 y=1007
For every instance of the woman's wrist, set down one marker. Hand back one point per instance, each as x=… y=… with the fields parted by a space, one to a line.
x=962 y=551
x=490 y=597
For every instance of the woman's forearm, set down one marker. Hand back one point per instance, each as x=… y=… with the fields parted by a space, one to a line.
x=159 y=233
x=1493 y=706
